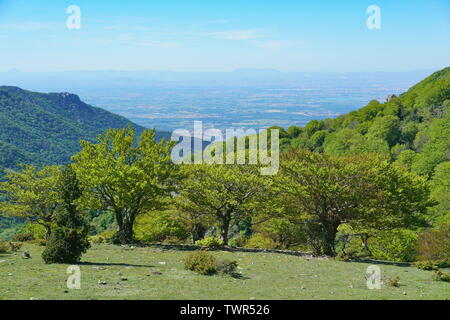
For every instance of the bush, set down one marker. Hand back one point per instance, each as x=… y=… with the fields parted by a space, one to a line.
x=15 y=246
x=258 y=240
x=434 y=244
x=441 y=276
x=227 y=267
x=432 y=264
x=238 y=242
x=396 y=245
x=209 y=242
x=392 y=281
x=69 y=237
x=36 y=230
x=4 y=247
x=202 y=262
x=104 y=237
x=158 y=227
x=22 y=237
x=172 y=240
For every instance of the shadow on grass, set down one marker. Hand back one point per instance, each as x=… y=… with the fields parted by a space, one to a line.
x=114 y=264
x=386 y=263
x=181 y=247
x=239 y=276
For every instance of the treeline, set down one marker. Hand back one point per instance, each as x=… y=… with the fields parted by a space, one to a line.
x=374 y=182
x=318 y=202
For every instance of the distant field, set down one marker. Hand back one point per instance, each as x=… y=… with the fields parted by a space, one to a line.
x=263 y=276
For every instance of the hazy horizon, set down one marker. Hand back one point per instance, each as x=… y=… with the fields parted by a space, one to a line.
x=307 y=36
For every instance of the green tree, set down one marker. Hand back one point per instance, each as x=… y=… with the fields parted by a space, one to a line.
x=226 y=192
x=360 y=190
x=70 y=229
x=32 y=194
x=125 y=177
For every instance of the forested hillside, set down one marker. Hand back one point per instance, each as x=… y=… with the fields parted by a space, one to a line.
x=43 y=129
x=413 y=129
x=38 y=128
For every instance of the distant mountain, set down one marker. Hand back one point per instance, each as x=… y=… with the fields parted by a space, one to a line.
x=43 y=129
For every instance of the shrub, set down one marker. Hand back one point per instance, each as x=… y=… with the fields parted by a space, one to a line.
x=202 y=262
x=104 y=237
x=159 y=226
x=441 y=276
x=392 y=281
x=227 y=267
x=15 y=246
x=172 y=240
x=258 y=240
x=209 y=242
x=68 y=240
x=4 y=247
x=98 y=239
x=434 y=244
x=22 y=237
x=36 y=230
x=396 y=245
x=238 y=242
x=432 y=264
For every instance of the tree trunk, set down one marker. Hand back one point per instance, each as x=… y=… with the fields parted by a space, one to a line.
x=197 y=232
x=48 y=232
x=225 y=226
x=125 y=233
x=329 y=237
x=365 y=244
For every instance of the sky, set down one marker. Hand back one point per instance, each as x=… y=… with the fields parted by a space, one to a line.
x=224 y=35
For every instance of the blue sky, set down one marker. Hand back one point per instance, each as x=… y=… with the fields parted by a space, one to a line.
x=213 y=35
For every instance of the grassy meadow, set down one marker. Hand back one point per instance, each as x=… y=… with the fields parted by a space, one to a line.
x=114 y=272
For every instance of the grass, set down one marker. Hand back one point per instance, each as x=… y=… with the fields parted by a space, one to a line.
x=156 y=273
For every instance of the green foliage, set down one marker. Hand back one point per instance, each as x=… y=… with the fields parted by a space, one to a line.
x=363 y=191
x=439 y=275
x=126 y=178
x=15 y=246
x=440 y=192
x=286 y=231
x=104 y=237
x=68 y=240
x=227 y=267
x=36 y=230
x=22 y=237
x=392 y=281
x=210 y=242
x=258 y=240
x=434 y=244
x=32 y=194
x=4 y=247
x=45 y=129
x=396 y=245
x=225 y=194
x=202 y=262
x=159 y=226
x=385 y=128
x=432 y=264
